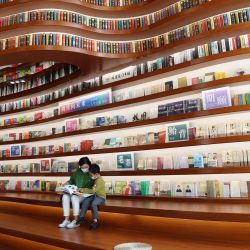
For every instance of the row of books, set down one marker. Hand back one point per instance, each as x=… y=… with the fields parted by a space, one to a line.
x=199 y=131
x=21 y=72
x=114 y=3
x=51 y=96
x=209 y=188
x=98 y=23
x=123 y=47
x=44 y=166
x=131 y=161
x=5 y=1
x=37 y=185
x=36 y=81
x=216 y=47
x=211 y=99
x=86 y=102
x=173 y=132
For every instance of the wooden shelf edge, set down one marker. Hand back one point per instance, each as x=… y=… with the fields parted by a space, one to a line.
x=138 y=197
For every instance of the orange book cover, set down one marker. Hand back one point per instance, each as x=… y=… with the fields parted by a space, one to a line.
x=162 y=137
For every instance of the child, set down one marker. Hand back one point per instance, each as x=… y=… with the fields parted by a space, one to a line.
x=98 y=197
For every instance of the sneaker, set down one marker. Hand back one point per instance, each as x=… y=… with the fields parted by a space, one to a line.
x=72 y=224
x=65 y=223
x=93 y=225
x=80 y=221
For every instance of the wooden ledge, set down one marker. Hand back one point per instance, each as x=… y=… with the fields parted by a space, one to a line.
x=178 y=208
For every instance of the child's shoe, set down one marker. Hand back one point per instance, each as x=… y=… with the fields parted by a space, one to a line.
x=72 y=224
x=80 y=221
x=65 y=223
x=93 y=225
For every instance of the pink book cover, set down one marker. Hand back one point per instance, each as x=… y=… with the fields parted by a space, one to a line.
x=71 y=125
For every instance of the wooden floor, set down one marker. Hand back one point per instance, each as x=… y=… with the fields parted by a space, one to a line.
x=104 y=238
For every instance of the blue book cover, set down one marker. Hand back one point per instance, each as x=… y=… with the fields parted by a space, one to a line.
x=100 y=121
x=198 y=161
x=15 y=150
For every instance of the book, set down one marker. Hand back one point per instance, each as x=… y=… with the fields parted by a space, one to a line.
x=68 y=189
x=15 y=150
x=216 y=98
x=177 y=132
x=45 y=166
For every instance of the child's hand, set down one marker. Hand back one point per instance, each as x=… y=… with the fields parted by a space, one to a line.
x=78 y=193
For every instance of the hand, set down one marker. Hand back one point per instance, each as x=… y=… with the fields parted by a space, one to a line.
x=78 y=193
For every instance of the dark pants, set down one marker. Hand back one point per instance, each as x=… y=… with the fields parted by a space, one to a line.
x=92 y=201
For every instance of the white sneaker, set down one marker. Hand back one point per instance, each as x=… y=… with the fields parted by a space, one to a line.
x=65 y=223
x=72 y=224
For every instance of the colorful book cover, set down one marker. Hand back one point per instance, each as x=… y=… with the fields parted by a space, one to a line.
x=216 y=98
x=45 y=166
x=177 y=132
x=71 y=125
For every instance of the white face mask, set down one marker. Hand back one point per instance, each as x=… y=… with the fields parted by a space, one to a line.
x=93 y=177
x=84 y=170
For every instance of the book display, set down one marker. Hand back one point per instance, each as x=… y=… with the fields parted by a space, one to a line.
x=98 y=46
x=162 y=108
x=42 y=77
x=99 y=23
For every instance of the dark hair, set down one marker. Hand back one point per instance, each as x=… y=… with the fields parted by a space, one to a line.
x=94 y=169
x=84 y=160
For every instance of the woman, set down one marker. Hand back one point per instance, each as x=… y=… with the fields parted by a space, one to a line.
x=81 y=179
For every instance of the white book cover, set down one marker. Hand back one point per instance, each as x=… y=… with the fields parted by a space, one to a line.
x=179 y=191
x=243 y=189
x=226 y=190
x=189 y=189
x=202 y=189
x=168 y=162
x=245 y=128
x=235 y=189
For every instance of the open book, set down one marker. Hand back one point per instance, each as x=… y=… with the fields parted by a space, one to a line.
x=68 y=189
x=87 y=195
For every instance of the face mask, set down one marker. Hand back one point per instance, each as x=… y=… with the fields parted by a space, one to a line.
x=84 y=170
x=93 y=178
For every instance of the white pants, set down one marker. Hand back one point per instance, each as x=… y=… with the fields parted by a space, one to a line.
x=75 y=200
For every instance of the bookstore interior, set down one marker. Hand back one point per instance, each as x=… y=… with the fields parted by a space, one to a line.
x=154 y=92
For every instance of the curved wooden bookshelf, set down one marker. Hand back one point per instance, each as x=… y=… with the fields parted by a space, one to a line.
x=154 y=121
x=29 y=76
x=198 y=142
x=177 y=46
x=28 y=92
x=149 y=172
x=139 y=99
x=87 y=5
x=179 y=15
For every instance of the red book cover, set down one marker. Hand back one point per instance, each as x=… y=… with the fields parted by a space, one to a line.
x=86 y=145
x=234 y=43
x=38 y=116
x=18 y=186
x=162 y=137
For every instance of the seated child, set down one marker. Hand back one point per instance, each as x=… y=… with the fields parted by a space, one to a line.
x=98 y=197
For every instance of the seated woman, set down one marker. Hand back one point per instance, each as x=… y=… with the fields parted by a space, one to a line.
x=81 y=179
